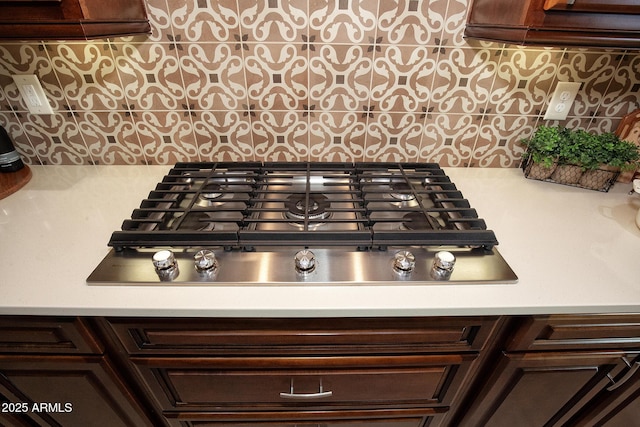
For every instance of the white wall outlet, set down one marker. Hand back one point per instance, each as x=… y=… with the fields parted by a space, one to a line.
x=32 y=93
x=562 y=99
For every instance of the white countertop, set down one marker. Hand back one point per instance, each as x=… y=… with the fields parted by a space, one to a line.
x=574 y=250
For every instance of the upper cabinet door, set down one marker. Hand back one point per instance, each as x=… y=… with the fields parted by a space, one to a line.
x=596 y=6
x=71 y=19
x=604 y=23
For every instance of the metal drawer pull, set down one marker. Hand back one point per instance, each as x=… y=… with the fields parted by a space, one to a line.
x=319 y=395
x=632 y=370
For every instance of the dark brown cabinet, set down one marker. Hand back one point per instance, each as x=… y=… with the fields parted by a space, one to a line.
x=53 y=372
x=562 y=371
x=387 y=372
x=606 y=23
x=484 y=371
x=71 y=19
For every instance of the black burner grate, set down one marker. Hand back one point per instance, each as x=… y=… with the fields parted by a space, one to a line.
x=248 y=204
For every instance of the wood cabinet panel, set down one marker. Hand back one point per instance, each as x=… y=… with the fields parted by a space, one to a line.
x=577 y=332
x=556 y=22
x=301 y=336
x=543 y=388
x=600 y=6
x=237 y=384
x=72 y=19
x=613 y=408
x=397 y=418
x=61 y=335
x=68 y=391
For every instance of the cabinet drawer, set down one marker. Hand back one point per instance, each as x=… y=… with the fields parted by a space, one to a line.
x=391 y=418
x=234 y=384
x=564 y=332
x=60 y=335
x=301 y=336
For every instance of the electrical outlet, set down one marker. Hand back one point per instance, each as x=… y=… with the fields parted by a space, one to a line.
x=562 y=99
x=32 y=93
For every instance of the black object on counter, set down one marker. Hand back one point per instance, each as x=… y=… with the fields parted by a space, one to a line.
x=10 y=160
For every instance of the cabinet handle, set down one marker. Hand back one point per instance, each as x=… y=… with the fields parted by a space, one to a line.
x=319 y=395
x=633 y=368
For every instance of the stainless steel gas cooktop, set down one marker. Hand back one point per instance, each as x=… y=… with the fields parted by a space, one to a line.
x=254 y=223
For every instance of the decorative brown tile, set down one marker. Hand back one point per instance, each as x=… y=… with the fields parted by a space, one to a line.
x=277 y=77
x=498 y=140
x=88 y=76
x=604 y=124
x=10 y=122
x=56 y=139
x=412 y=22
x=274 y=21
x=393 y=137
x=205 y=20
x=462 y=83
x=280 y=136
x=455 y=21
x=337 y=136
x=343 y=21
x=159 y=20
x=449 y=139
x=595 y=70
x=4 y=103
x=342 y=80
x=402 y=78
x=28 y=59
x=340 y=77
x=623 y=93
x=151 y=76
x=166 y=137
x=223 y=136
x=524 y=81
x=111 y=137
x=213 y=76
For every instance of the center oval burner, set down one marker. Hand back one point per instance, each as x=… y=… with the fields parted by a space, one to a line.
x=211 y=195
x=401 y=191
x=297 y=209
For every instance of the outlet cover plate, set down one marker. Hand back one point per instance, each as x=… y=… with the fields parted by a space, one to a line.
x=32 y=93
x=562 y=100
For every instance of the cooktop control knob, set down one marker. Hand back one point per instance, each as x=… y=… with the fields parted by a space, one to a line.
x=164 y=260
x=442 y=267
x=305 y=261
x=404 y=262
x=205 y=260
x=444 y=260
x=166 y=265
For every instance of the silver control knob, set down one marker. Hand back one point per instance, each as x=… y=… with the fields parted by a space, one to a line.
x=166 y=265
x=163 y=260
x=444 y=260
x=442 y=267
x=404 y=262
x=305 y=261
x=205 y=260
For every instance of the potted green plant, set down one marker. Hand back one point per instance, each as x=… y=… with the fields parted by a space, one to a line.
x=573 y=153
x=541 y=155
x=577 y=157
x=605 y=158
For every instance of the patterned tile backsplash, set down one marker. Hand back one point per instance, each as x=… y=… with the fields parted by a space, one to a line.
x=311 y=80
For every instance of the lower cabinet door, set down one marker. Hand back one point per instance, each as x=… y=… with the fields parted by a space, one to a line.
x=544 y=389
x=61 y=391
x=616 y=406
